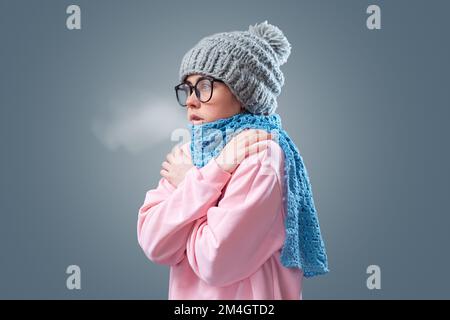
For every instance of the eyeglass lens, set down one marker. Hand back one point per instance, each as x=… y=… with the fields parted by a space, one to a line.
x=203 y=91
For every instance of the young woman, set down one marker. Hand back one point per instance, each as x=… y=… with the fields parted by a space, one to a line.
x=233 y=213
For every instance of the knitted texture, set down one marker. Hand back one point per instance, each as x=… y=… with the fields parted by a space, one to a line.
x=248 y=62
x=303 y=247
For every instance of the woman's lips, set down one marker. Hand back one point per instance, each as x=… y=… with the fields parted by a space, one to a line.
x=196 y=119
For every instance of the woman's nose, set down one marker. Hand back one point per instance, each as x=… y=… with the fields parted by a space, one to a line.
x=192 y=100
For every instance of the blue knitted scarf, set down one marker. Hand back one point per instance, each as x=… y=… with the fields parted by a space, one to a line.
x=303 y=247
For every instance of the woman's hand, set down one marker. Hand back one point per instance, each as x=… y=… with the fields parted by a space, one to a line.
x=176 y=165
x=240 y=147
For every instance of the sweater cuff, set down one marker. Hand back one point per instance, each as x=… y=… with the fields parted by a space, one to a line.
x=214 y=174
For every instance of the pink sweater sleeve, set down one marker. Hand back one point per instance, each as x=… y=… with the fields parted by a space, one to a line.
x=238 y=235
x=166 y=218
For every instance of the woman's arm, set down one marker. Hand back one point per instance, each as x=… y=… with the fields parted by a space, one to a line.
x=246 y=227
x=168 y=213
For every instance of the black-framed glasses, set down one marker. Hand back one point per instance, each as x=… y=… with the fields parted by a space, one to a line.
x=203 y=88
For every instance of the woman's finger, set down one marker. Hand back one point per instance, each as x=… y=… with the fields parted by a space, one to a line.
x=176 y=149
x=166 y=165
x=254 y=144
x=244 y=133
x=254 y=148
x=170 y=158
x=186 y=158
x=260 y=136
x=252 y=133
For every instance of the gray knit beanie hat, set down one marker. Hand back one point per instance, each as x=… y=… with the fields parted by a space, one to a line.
x=248 y=62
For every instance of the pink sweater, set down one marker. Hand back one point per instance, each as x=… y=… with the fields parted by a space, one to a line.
x=221 y=233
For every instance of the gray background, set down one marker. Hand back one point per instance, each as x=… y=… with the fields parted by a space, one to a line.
x=86 y=117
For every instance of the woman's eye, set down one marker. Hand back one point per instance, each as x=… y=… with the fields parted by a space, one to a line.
x=205 y=87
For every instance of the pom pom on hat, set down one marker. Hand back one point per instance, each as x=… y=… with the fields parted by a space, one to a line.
x=275 y=37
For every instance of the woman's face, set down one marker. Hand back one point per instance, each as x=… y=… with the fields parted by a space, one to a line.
x=223 y=103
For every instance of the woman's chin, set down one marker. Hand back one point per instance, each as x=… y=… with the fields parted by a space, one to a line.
x=197 y=122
